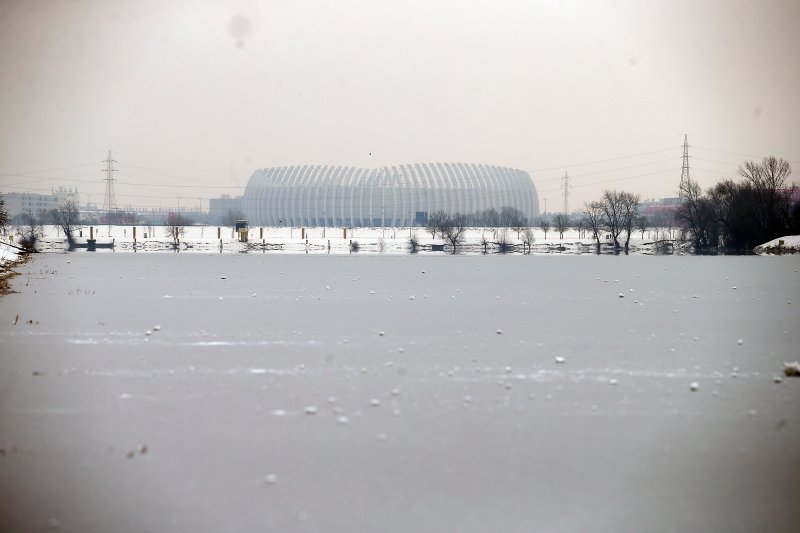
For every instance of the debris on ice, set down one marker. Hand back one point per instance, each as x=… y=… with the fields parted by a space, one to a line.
x=792 y=369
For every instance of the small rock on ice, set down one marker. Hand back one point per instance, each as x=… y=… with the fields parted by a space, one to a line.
x=343 y=420
x=156 y=328
x=375 y=402
x=560 y=360
x=621 y=295
x=740 y=342
x=693 y=386
x=499 y=332
x=310 y=410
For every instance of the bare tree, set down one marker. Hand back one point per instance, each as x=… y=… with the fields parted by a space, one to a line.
x=503 y=243
x=579 y=225
x=697 y=215
x=543 y=223
x=593 y=212
x=642 y=224
x=771 y=205
x=513 y=218
x=612 y=215
x=561 y=224
x=30 y=227
x=435 y=221
x=413 y=243
x=630 y=203
x=453 y=229
x=67 y=217
x=519 y=224
x=528 y=238
x=175 y=230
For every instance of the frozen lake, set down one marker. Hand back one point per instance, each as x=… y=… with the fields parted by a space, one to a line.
x=404 y=393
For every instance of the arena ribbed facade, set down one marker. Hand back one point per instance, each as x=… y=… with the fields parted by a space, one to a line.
x=397 y=196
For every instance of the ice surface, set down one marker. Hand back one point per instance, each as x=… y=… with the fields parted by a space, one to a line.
x=251 y=412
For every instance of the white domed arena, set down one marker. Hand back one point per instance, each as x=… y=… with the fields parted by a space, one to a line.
x=397 y=196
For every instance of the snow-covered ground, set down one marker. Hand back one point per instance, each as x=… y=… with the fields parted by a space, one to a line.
x=224 y=392
x=318 y=240
x=8 y=254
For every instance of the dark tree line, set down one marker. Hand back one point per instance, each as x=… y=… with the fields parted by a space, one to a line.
x=507 y=217
x=3 y=214
x=741 y=215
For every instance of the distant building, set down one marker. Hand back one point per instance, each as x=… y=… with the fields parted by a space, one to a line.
x=660 y=212
x=37 y=204
x=395 y=196
x=225 y=209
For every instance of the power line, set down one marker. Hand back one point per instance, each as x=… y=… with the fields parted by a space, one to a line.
x=561 y=167
x=671 y=159
x=606 y=147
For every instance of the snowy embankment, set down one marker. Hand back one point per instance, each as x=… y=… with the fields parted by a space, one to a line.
x=789 y=244
x=8 y=254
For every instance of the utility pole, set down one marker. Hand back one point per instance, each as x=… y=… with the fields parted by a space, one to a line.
x=110 y=201
x=566 y=186
x=685 y=168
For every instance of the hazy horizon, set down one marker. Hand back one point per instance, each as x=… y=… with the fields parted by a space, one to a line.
x=192 y=97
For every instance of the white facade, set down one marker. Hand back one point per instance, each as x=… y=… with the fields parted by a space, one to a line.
x=390 y=196
x=37 y=204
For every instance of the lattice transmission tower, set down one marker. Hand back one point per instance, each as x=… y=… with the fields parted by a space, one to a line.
x=565 y=188
x=110 y=200
x=685 y=168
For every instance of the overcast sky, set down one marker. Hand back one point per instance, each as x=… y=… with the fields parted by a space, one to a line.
x=202 y=93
